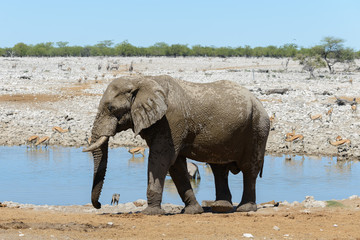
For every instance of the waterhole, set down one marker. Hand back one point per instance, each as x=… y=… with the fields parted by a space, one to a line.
x=63 y=176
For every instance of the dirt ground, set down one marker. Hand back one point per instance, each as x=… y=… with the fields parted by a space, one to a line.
x=339 y=220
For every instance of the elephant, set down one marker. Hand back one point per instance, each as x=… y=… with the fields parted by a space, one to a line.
x=221 y=123
x=193 y=171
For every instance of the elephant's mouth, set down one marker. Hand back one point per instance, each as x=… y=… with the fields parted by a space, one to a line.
x=97 y=144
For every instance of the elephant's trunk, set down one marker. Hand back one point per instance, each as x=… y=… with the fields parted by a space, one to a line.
x=100 y=155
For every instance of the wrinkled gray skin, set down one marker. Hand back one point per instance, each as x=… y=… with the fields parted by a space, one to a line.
x=220 y=123
x=193 y=171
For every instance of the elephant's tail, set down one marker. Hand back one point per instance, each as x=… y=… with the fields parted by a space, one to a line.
x=261 y=170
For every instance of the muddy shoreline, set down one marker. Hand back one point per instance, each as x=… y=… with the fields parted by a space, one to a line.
x=37 y=94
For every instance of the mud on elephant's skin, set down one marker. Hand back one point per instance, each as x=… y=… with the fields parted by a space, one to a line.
x=220 y=123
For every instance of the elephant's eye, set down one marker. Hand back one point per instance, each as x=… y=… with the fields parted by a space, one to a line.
x=111 y=108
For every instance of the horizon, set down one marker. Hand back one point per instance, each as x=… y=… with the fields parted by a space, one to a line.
x=207 y=23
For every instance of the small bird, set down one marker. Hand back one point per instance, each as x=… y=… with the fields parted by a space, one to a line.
x=60 y=130
x=131 y=68
x=44 y=140
x=136 y=150
x=353 y=108
x=354 y=105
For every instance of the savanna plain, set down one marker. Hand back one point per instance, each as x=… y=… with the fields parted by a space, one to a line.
x=38 y=94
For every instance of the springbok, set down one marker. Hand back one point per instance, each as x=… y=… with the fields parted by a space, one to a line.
x=32 y=140
x=290 y=134
x=329 y=113
x=315 y=117
x=44 y=140
x=339 y=142
x=60 y=130
x=272 y=121
x=297 y=137
x=137 y=150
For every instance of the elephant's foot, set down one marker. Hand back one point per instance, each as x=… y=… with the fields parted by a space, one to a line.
x=247 y=207
x=222 y=206
x=153 y=211
x=193 y=209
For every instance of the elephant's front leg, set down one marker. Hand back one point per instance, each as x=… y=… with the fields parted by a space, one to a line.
x=223 y=195
x=157 y=170
x=179 y=174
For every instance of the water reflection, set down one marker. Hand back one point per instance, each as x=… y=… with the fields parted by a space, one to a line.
x=136 y=161
x=63 y=176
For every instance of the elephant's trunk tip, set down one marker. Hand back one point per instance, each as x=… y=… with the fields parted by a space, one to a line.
x=96 y=204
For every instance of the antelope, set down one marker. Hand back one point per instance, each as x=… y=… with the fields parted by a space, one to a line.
x=290 y=134
x=44 y=140
x=329 y=113
x=32 y=140
x=315 y=117
x=60 y=130
x=340 y=142
x=299 y=137
x=272 y=121
x=136 y=150
x=88 y=140
x=295 y=137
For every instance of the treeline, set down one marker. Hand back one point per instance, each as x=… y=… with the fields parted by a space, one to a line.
x=108 y=48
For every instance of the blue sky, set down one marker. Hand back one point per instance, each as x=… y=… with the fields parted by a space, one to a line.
x=209 y=23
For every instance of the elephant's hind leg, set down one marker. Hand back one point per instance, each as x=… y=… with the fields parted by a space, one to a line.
x=223 y=195
x=248 y=200
x=179 y=175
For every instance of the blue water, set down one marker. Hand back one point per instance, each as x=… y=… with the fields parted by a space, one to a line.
x=63 y=176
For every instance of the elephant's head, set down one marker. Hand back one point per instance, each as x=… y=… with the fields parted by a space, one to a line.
x=135 y=103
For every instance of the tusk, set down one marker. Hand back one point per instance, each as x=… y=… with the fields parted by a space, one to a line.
x=97 y=144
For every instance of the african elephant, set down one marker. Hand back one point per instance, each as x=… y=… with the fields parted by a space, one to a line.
x=220 y=123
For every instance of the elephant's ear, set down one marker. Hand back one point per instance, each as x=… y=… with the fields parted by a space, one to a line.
x=149 y=105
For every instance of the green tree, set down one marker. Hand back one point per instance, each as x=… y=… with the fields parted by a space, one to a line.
x=125 y=49
x=104 y=48
x=310 y=63
x=158 y=49
x=332 y=50
x=224 y=52
x=42 y=49
x=62 y=44
x=178 y=50
x=21 y=49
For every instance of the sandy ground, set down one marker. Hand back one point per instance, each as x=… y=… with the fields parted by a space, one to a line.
x=336 y=221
